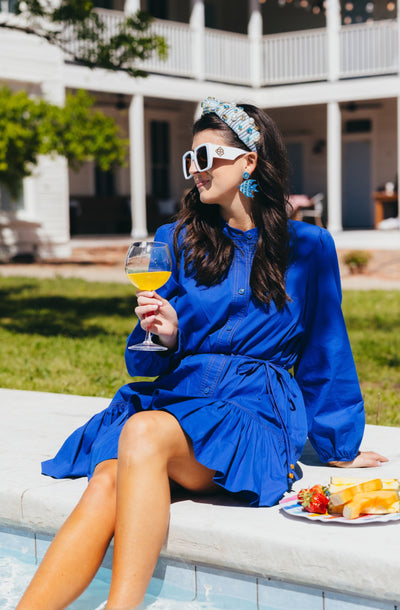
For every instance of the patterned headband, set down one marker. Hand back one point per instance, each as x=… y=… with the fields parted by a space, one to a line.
x=236 y=118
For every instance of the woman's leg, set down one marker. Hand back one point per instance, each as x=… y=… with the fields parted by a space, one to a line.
x=152 y=449
x=77 y=551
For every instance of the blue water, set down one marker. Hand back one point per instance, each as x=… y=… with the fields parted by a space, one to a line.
x=18 y=566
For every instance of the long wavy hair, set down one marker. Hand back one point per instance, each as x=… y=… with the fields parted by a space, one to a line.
x=208 y=252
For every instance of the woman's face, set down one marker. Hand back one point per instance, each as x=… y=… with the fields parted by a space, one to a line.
x=219 y=184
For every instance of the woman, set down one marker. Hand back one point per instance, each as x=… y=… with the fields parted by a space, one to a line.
x=252 y=295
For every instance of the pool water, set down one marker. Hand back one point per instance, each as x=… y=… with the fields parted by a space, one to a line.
x=17 y=566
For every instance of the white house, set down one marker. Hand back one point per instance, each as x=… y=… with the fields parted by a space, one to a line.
x=327 y=71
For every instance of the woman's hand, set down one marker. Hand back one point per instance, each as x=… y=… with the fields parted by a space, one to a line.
x=157 y=316
x=364 y=459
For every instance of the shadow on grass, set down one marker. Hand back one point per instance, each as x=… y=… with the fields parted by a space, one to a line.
x=58 y=315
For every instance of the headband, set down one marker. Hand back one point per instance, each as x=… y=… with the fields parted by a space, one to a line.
x=236 y=118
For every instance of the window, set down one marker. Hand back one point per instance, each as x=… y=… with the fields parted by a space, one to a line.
x=160 y=159
x=358 y=126
x=8 y=6
x=104 y=183
x=103 y=4
x=7 y=203
x=158 y=8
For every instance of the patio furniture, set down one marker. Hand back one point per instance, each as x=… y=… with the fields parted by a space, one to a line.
x=386 y=206
x=304 y=207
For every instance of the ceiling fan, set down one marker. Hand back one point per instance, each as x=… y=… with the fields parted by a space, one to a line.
x=353 y=106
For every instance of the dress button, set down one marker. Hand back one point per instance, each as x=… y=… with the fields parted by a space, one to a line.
x=291 y=475
x=292 y=466
x=241 y=290
x=206 y=390
x=249 y=236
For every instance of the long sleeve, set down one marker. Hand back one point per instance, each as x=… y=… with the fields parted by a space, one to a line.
x=147 y=363
x=325 y=369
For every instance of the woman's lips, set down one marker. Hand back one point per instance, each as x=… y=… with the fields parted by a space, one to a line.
x=201 y=183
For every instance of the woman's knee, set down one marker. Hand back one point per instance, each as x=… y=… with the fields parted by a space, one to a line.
x=103 y=484
x=146 y=435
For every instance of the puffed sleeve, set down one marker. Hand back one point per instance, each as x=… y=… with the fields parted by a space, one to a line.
x=147 y=363
x=325 y=369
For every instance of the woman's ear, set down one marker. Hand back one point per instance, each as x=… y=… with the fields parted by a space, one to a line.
x=251 y=162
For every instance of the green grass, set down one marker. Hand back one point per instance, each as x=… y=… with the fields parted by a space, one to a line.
x=68 y=335
x=64 y=335
x=373 y=322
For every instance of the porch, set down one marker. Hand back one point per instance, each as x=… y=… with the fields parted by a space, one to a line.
x=200 y=53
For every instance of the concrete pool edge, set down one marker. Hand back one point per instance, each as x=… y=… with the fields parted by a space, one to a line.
x=263 y=543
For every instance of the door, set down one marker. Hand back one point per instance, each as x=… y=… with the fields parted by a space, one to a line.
x=358 y=212
x=296 y=171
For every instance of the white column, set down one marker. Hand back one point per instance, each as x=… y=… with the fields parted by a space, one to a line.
x=137 y=167
x=333 y=23
x=398 y=154
x=131 y=7
x=255 y=34
x=197 y=24
x=334 y=150
x=47 y=192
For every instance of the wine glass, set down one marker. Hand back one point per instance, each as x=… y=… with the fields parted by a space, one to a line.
x=148 y=266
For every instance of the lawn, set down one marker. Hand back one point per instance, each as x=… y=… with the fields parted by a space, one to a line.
x=68 y=335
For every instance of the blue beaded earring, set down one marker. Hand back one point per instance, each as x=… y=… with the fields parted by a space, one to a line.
x=248 y=187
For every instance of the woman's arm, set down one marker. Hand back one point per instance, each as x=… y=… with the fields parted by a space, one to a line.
x=152 y=364
x=325 y=370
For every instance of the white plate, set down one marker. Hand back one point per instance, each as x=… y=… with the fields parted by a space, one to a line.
x=292 y=507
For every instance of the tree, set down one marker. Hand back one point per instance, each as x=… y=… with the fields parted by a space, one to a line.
x=78 y=29
x=31 y=127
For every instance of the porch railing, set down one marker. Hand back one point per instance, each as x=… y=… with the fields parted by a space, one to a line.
x=227 y=57
x=179 y=39
x=288 y=58
x=369 y=48
x=295 y=57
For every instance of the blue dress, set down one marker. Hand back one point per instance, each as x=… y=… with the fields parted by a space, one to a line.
x=247 y=383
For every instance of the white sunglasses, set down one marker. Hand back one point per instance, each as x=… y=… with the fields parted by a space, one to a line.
x=204 y=155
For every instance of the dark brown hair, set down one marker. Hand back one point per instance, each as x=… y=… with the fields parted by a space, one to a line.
x=208 y=252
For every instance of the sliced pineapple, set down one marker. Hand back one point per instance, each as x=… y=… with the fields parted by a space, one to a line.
x=348 y=493
x=339 y=483
x=372 y=503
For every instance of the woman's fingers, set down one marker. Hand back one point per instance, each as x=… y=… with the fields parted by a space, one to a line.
x=158 y=316
x=364 y=459
x=148 y=302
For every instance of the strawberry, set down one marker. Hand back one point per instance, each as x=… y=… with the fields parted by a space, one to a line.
x=314 y=499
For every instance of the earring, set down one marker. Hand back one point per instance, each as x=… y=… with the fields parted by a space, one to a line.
x=248 y=187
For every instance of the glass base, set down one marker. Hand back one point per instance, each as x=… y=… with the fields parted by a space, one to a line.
x=148 y=347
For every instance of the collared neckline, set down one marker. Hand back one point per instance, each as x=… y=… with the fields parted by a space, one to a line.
x=251 y=235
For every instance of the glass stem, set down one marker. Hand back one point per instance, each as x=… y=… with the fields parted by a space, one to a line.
x=148 y=339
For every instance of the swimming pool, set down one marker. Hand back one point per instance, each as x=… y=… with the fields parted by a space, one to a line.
x=20 y=553
x=176 y=585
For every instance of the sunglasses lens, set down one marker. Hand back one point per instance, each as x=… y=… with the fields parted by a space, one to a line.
x=187 y=162
x=202 y=157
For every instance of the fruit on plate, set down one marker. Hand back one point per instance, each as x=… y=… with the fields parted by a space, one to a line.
x=348 y=493
x=314 y=499
x=338 y=483
x=352 y=497
x=370 y=502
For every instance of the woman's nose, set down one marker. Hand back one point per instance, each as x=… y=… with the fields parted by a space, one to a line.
x=192 y=167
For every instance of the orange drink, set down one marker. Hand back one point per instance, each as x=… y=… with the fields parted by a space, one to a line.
x=149 y=280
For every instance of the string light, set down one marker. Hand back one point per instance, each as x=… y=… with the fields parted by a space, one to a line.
x=319 y=7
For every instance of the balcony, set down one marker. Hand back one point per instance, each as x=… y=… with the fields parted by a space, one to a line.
x=367 y=49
